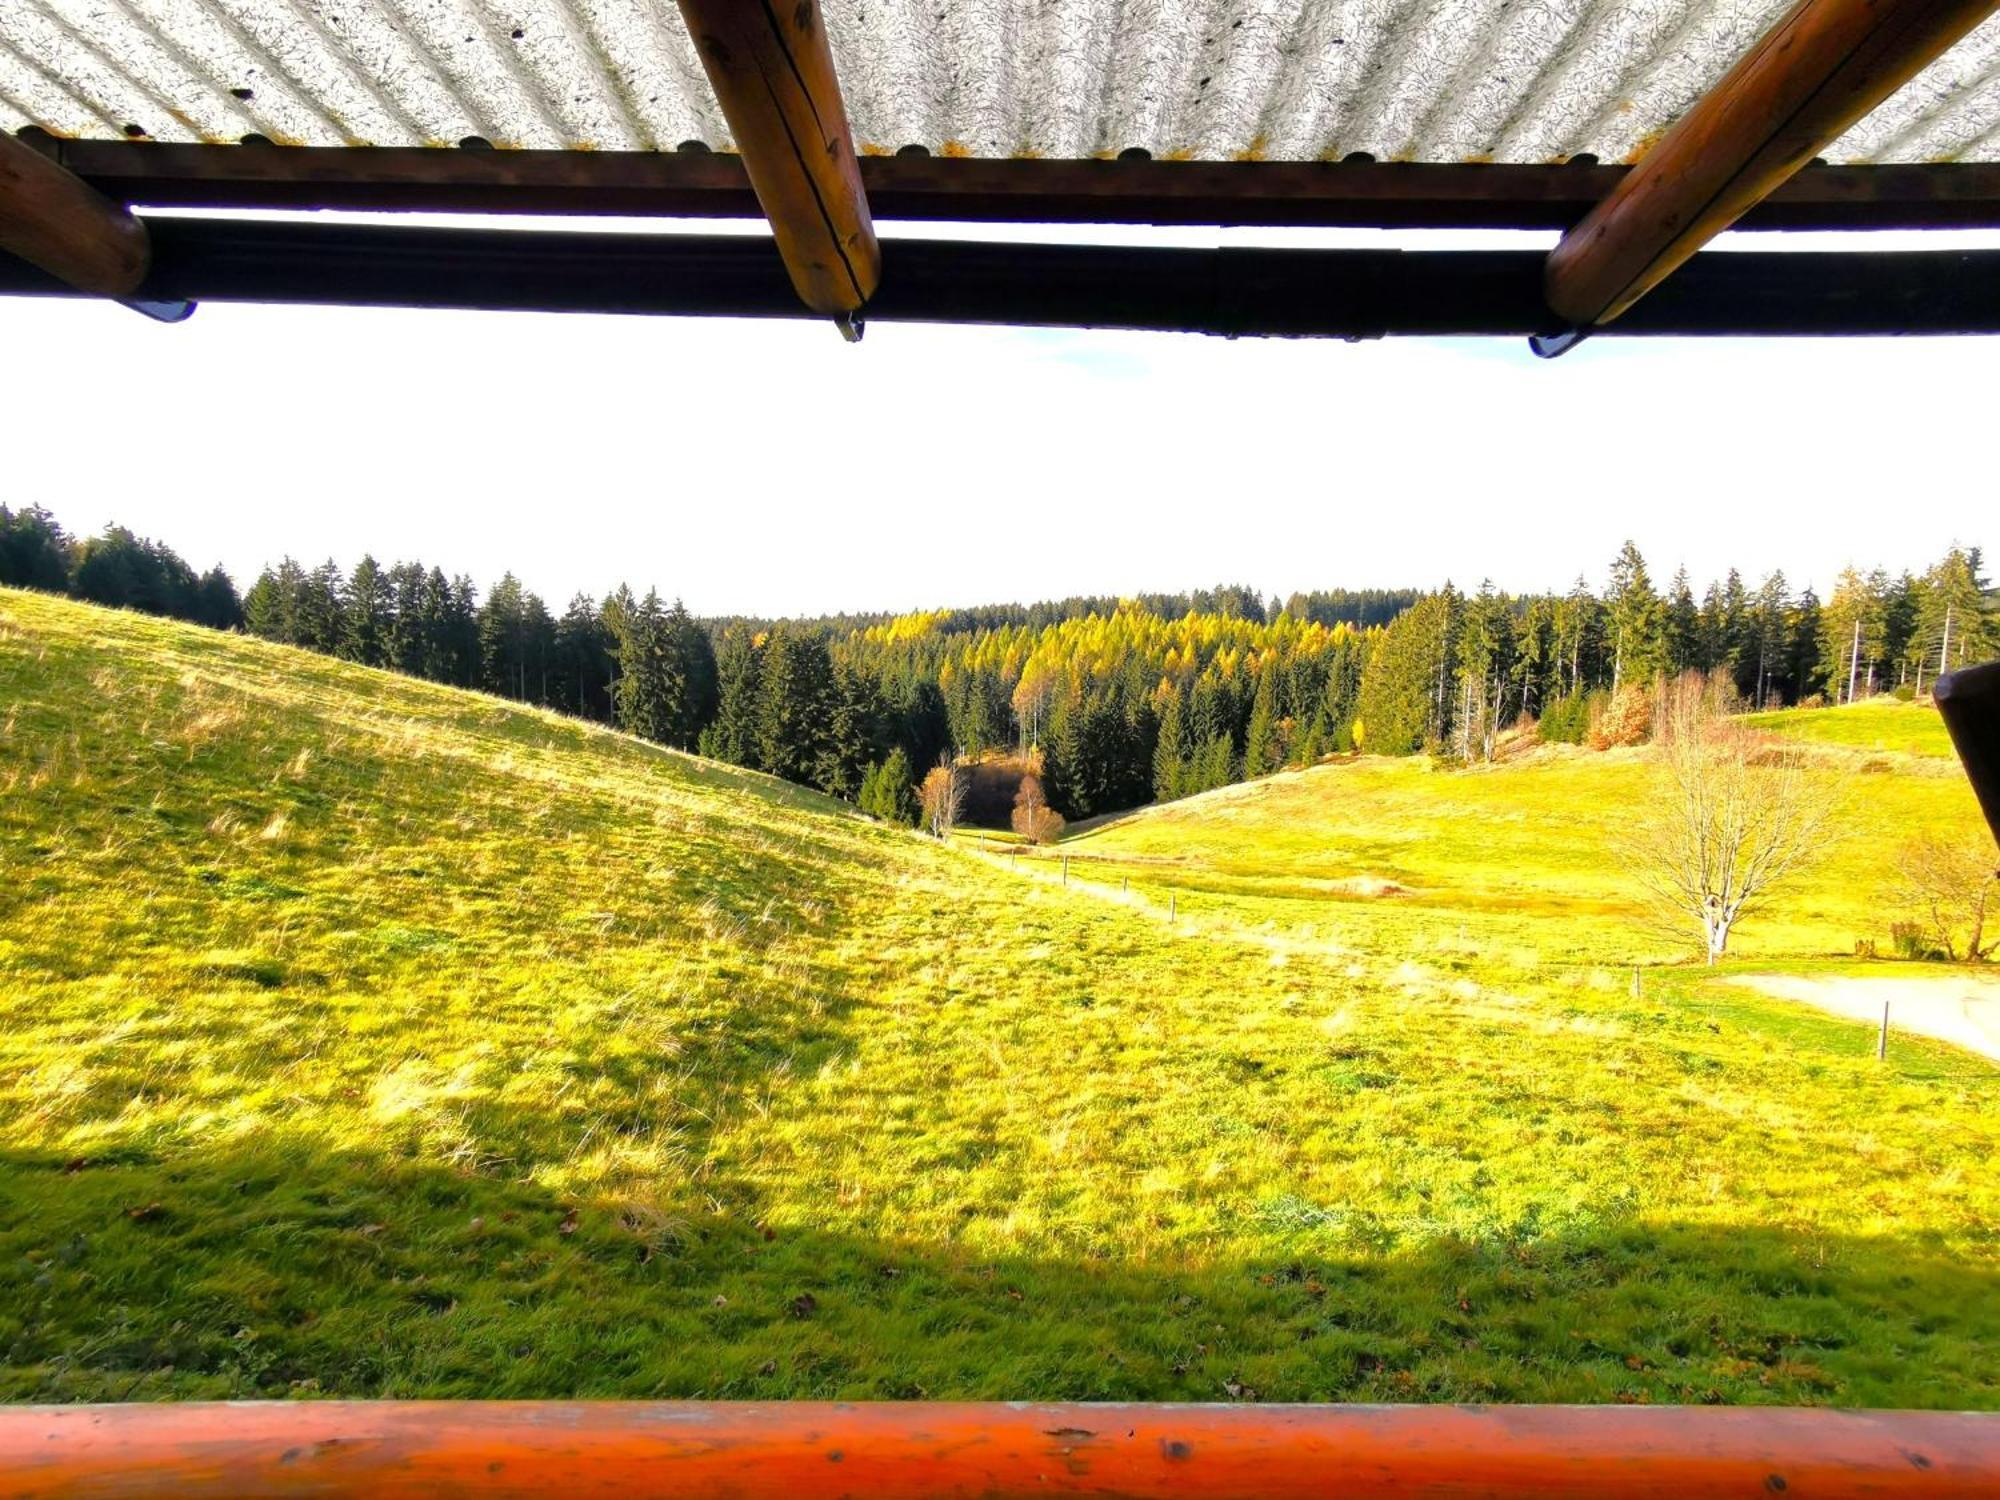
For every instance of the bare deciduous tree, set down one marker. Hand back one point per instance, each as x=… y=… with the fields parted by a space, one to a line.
x=1732 y=814
x=943 y=797
x=1952 y=882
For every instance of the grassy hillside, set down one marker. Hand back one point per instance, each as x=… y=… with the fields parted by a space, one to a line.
x=364 y=1037
x=1520 y=863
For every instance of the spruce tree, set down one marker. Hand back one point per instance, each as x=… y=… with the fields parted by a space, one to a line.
x=1683 y=643
x=1635 y=621
x=1260 y=739
x=217 y=605
x=34 y=550
x=734 y=734
x=369 y=617
x=1170 y=748
x=796 y=707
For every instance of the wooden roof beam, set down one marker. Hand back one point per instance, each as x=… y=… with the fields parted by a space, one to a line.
x=1821 y=68
x=773 y=75
x=53 y=219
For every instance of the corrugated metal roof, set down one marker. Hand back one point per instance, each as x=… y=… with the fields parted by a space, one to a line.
x=1422 y=80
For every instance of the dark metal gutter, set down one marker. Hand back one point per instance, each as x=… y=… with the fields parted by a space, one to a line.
x=1352 y=294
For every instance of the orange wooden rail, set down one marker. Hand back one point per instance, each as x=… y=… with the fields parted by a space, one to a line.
x=906 y=1451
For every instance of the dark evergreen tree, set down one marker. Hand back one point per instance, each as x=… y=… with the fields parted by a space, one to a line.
x=1635 y=621
x=734 y=734
x=889 y=792
x=652 y=682
x=796 y=704
x=34 y=550
x=216 y=604
x=1683 y=634
x=696 y=652
x=368 y=622
x=584 y=661
x=1262 y=753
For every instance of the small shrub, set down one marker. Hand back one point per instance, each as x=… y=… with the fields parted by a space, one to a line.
x=1911 y=941
x=1865 y=948
x=1567 y=720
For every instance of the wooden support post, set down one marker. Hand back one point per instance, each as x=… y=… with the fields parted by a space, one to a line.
x=1173 y=899
x=773 y=75
x=1065 y=869
x=1882 y=1041
x=60 y=223
x=1821 y=68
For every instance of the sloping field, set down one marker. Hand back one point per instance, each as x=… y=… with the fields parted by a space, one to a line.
x=365 y=1037
x=1521 y=862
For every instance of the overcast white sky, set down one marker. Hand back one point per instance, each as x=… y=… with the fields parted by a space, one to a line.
x=966 y=465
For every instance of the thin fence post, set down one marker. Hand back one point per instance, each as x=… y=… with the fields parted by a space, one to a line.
x=1124 y=884
x=1637 y=992
x=1065 y=869
x=1882 y=1041
x=1173 y=900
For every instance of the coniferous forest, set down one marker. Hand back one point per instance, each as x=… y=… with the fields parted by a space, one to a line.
x=1122 y=701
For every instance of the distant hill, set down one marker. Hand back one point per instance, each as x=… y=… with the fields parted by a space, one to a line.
x=367 y=1037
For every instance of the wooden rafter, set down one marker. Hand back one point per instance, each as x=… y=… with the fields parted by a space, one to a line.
x=1820 y=69
x=773 y=75
x=54 y=220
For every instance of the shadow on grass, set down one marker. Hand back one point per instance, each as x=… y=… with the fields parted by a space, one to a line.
x=268 y=1270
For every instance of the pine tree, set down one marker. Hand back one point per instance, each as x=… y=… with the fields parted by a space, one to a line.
x=580 y=676
x=796 y=704
x=1261 y=751
x=889 y=792
x=501 y=623
x=733 y=736
x=1850 y=635
x=216 y=603
x=652 y=682
x=1635 y=620
x=1953 y=627
x=696 y=653
x=1683 y=633
x=855 y=738
x=34 y=550
x=1170 y=749
x=1399 y=708
x=368 y=623
x=406 y=646
x=1770 y=670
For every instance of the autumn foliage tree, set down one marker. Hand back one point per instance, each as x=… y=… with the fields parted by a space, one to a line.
x=942 y=797
x=1034 y=820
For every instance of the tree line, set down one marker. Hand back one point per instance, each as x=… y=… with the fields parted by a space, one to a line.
x=1453 y=671
x=1117 y=702
x=114 y=568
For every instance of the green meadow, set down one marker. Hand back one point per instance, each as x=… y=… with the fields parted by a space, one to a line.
x=364 y=1037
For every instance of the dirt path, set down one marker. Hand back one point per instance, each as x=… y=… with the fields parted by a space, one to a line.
x=1962 y=1008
